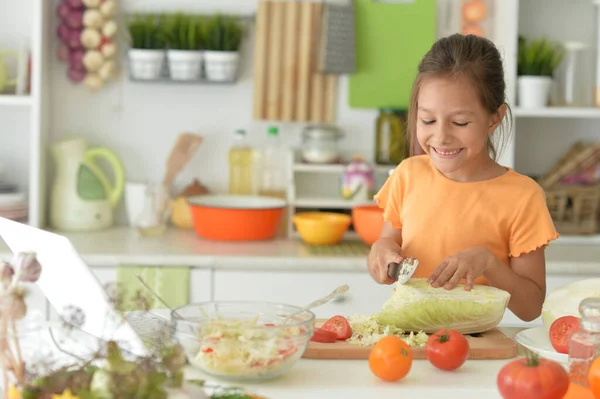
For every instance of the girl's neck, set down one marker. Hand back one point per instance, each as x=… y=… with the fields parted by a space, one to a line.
x=480 y=169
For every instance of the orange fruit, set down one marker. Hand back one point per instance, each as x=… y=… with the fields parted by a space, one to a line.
x=390 y=358
x=594 y=378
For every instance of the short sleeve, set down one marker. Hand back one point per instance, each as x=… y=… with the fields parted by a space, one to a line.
x=533 y=227
x=390 y=197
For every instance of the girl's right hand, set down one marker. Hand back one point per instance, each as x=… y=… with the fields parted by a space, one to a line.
x=383 y=252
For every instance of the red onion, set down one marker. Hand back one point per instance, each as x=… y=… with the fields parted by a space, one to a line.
x=74 y=40
x=76 y=76
x=75 y=20
x=63 y=32
x=77 y=4
x=63 y=11
x=76 y=60
x=63 y=53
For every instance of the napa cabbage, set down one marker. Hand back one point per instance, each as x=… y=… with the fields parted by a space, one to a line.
x=565 y=300
x=416 y=306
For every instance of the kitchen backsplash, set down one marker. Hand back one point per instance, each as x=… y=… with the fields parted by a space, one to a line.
x=140 y=121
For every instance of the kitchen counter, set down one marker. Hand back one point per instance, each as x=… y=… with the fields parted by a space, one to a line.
x=122 y=245
x=352 y=379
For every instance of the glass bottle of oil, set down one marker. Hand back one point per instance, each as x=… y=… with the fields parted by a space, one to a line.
x=390 y=140
x=241 y=166
x=584 y=347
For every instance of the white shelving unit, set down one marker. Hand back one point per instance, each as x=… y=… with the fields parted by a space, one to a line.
x=558 y=112
x=23 y=118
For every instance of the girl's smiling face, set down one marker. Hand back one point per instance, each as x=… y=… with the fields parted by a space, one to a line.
x=453 y=127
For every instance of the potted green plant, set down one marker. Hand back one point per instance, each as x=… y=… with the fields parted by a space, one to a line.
x=222 y=39
x=147 y=52
x=183 y=35
x=537 y=61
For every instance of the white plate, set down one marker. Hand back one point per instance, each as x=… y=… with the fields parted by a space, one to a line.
x=537 y=341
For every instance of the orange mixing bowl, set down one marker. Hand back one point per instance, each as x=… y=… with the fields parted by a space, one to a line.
x=368 y=222
x=236 y=217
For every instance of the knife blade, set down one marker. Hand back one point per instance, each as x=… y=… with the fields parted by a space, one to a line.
x=404 y=270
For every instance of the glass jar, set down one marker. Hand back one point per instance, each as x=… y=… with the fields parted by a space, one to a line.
x=390 y=137
x=585 y=344
x=320 y=144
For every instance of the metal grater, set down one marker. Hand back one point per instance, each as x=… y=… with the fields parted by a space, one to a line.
x=337 y=53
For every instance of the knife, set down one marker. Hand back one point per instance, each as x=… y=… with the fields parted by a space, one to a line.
x=404 y=270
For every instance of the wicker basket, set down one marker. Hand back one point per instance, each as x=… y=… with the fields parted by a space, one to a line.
x=574 y=209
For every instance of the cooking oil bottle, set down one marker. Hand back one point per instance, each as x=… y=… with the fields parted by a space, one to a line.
x=273 y=166
x=241 y=166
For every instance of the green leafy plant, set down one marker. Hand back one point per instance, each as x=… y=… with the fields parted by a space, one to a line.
x=223 y=33
x=538 y=57
x=144 y=32
x=181 y=31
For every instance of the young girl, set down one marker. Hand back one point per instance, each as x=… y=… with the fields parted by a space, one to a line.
x=465 y=217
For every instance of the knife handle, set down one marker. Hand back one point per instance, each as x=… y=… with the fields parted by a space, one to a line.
x=394 y=270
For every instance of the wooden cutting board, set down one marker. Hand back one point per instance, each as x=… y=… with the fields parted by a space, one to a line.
x=493 y=344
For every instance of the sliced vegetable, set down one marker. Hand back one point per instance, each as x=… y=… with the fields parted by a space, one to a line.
x=561 y=331
x=323 y=336
x=340 y=326
x=447 y=349
x=533 y=377
x=564 y=301
x=390 y=359
x=366 y=331
x=416 y=306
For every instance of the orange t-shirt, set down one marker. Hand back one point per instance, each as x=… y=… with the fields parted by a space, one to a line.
x=440 y=217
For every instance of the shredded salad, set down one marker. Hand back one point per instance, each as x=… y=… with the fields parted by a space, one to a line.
x=366 y=331
x=248 y=347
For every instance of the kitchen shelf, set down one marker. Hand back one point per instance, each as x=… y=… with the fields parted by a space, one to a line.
x=12 y=99
x=168 y=80
x=328 y=203
x=558 y=112
x=592 y=239
x=335 y=168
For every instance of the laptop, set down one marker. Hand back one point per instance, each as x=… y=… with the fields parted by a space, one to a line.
x=67 y=281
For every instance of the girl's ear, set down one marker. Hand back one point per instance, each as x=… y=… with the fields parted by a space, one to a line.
x=497 y=118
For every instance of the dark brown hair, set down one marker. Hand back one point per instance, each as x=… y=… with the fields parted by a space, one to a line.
x=477 y=59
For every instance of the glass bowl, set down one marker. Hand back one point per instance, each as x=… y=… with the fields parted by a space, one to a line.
x=243 y=340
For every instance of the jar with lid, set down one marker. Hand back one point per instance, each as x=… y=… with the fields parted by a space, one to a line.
x=584 y=347
x=390 y=138
x=320 y=144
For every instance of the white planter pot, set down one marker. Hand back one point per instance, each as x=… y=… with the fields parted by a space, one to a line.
x=534 y=91
x=185 y=64
x=221 y=66
x=146 y=64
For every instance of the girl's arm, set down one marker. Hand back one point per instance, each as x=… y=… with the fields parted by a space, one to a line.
x=389 y=231
x=525 y=280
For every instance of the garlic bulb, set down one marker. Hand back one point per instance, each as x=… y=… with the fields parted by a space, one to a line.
x=109 y=29
x=93 y=81
x=90 y=38
x=93 y=19
x=109 y=50
x=109 y=8
x=93 y=60
x=91 y=3
x=108 y=70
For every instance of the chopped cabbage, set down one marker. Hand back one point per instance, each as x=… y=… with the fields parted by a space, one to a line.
x=366 y=331
x=416 y=306
x=564 y=301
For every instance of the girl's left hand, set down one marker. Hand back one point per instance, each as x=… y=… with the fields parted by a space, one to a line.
x=468 y=264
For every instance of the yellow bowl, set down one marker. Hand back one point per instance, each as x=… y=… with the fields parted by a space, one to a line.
x=321 y=228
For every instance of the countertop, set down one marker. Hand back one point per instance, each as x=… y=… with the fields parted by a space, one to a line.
x=122 y=245
x=350 y=379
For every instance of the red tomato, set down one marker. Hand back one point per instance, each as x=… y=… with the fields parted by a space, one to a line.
x=324 y=336
x=561 y=331
x=340 y=326
x=447 y=349
x=533 y=378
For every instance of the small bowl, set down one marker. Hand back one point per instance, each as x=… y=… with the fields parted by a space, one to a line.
x=236 y=217
x=368 y=222
x=321 y=228
x=243 y=340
